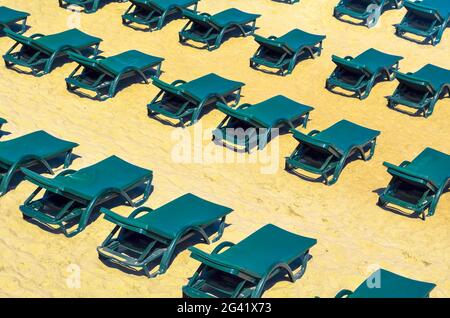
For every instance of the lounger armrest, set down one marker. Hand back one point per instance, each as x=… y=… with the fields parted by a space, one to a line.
x=411 y=78
x=301 y=137
x=348 y=62
x=39 y=180
x=128 y=222
x=171 y=88
x=194 y=16
x=343 y=293
x=212 y=261
x=404 y=172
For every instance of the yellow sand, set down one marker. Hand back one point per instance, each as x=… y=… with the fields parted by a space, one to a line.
x=354 y=235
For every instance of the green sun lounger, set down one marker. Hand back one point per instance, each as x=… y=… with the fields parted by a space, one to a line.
x=38 y=52
x=419 y=184
x=185 y=101
x=243 y=270
x=103 y=74
x=154 y=13
x=385 y=284
x=89 y=6
x=10 y=17
x=361 y=73
x=426 y=20
x=34 y=149
x=70 y=198
x=367 y=11
x=326 y=152
x=211 y=29
x=421 y=90
x=148 y=235
x=284 y=52
x=250 y=126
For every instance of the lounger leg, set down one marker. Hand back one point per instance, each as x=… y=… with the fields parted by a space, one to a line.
x=161 y=20
x=337 y=172
x=220 y=230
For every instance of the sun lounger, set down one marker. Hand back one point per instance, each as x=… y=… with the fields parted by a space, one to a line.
x=10 y=17
x=243 y=270
x=361 y=73
x=211 y=29
x=249 y=125
x=184 y=101
x=421 y=90
x=284 y=52
x=426 y=20
x=154 y=13
x=100 y=74
x=89 y=6
x=419 y=184
x=147 y=235
x=34 y=149
x=385 y=284
x=326 y=152
x=38 y=52
x=368 y=11
x=70 y=198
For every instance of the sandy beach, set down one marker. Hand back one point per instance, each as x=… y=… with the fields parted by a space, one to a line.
x=355 y=236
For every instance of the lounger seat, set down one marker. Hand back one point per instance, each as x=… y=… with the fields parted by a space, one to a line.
x=361 y=73
x=284 y=52
x=10 y=17
x=326 y=152
x=211 y=29
x=249 y=125
x=147 y=235
x=368 y=11
x=89 y=6
x=385 y=284
x=38 y=52
x=34 y=149
x=426 y=19
x=154 y=13
x=421 y=90
x=243 y=270
x=185 y=101
x=102 y=75
x=419 y=184
x=73 y=195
